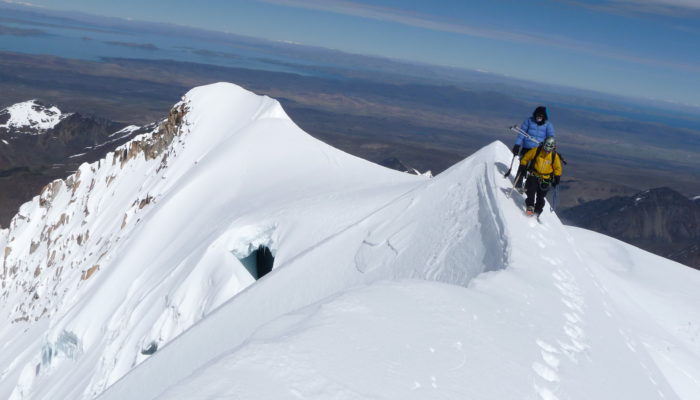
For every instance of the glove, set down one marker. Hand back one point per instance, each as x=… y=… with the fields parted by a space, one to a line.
x=516 y=149
x=522 y=170
x=555 y=180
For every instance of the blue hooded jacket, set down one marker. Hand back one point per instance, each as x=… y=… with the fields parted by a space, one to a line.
x=539 y=132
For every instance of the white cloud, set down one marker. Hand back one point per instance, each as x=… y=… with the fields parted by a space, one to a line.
x=694 y=4
x=22 y=3
x=436 y=23
x=400 y=16
x=673 y=8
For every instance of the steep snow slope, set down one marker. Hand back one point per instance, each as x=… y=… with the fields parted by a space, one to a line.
x=658 y=298
x=131 y=251
x=385 y=285
x=412 y=236
x=372 y=325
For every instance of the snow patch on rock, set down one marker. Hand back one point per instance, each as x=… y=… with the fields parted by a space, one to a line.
x=32 y=115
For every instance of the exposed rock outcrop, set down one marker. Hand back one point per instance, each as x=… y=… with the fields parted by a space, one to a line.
x=39 y=145
x=61 y=217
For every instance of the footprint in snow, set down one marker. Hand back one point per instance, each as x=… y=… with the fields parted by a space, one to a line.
x=545 y=394
x=545 y=372
x=574 y=318
x=546 y=346
x=550 y=359
x=574 y=332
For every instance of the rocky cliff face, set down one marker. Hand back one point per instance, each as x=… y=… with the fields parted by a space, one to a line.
x=660 y=220
x=38 y=144
x=59 y=221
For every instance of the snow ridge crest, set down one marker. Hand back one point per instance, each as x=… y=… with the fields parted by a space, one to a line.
x=35 y=246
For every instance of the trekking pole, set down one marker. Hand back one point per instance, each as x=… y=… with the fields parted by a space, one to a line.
x=524 y=134
x=555 y=200
x=511 y=166
x=511 y=189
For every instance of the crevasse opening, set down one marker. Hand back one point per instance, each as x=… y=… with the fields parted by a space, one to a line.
x=259 y=262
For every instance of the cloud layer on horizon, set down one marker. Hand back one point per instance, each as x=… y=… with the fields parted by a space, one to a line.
x=668 y=8
x=437 y=23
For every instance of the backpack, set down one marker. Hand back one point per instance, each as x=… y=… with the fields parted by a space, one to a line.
x=530 y=165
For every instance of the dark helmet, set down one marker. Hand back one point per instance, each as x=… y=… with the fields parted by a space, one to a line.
x=541 y=110
x=549 y=144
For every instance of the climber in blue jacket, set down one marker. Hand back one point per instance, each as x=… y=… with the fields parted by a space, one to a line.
x=539 y=128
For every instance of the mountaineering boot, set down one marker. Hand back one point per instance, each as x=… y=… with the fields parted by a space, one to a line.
x=530 y=211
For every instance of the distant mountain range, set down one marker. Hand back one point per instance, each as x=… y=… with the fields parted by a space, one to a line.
x=39 y=143
x=659 y=220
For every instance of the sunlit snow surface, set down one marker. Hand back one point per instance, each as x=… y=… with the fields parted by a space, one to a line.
x=385 y=285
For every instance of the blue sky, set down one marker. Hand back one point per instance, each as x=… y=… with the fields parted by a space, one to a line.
x=638 y=48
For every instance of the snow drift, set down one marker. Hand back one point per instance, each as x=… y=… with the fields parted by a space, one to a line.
x=125 y=280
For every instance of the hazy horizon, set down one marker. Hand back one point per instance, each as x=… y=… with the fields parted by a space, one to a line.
x=655 y=66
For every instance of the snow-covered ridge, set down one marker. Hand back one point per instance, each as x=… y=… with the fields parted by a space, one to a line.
x=550 y=310
x=31 y=115
x=126 y=280
x=172 y=203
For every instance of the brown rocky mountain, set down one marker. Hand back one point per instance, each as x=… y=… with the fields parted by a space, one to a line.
x=38 y=144
x=659 y=220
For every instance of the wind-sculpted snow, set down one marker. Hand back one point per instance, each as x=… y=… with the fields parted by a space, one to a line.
x=129 y=252
x=352 y=326
x=385 y=285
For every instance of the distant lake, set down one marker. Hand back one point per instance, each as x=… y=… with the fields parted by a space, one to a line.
x=43 y=35
x=87 y=39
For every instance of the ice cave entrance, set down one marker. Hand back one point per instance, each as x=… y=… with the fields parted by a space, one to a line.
x=259 y=262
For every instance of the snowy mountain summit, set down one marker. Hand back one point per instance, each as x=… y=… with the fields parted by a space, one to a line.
x=32 y=117
x=228 y=254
